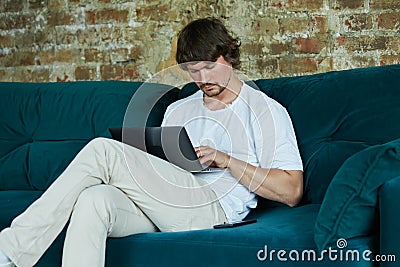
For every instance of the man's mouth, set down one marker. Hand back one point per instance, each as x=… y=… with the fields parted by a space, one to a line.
x=207 y=86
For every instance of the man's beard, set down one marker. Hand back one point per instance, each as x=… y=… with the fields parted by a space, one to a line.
x=217 y=89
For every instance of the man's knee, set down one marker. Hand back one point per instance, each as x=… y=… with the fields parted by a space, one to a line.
x=98 y=142
x=102 y=144
x=93 y=202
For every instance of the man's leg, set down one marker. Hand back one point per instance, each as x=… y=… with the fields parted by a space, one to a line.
x=32 y=232
x=100 y=211
x=171 y=198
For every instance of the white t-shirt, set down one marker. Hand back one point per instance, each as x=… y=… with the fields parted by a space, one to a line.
x=254 y=128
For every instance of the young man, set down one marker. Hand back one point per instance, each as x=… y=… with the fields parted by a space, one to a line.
x=115 y=190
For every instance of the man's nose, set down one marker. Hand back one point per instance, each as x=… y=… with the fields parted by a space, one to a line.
x=203 y=75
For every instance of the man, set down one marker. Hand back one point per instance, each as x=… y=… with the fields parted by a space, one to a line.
x=115 y=190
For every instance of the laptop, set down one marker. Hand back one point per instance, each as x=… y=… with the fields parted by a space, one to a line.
x=170 y=143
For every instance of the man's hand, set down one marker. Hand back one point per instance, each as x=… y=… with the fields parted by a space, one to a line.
x=212 y=157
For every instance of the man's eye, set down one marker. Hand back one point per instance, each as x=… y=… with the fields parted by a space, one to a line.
x=193 y=71
x=209 y=67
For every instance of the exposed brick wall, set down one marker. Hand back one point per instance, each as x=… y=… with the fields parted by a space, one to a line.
x=59 y=40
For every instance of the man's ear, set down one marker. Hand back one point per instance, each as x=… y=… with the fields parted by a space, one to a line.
x=221 y=59
x=183 y=66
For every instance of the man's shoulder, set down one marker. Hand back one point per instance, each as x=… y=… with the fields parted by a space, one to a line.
x=187 y=101
x=252 y=91
x=254 y=94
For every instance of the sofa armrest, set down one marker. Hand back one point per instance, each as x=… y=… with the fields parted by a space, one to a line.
x=389 y=201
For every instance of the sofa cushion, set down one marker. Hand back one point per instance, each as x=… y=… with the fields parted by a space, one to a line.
x=336 y=115
x=13 y=202
x=275 y=228
x=44 y=125
x=238 y=246
x=350 y=205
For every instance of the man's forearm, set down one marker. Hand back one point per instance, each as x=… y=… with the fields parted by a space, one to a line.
x=275 y=184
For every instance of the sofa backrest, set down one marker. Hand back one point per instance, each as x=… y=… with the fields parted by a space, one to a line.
x=44 y=125
x=337 y=114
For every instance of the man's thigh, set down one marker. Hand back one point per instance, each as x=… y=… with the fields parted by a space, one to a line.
x=172 y=198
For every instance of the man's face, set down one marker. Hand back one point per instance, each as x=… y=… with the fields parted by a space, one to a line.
x=211 y=77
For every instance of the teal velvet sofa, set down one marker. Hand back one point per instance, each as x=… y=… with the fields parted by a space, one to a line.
x=347 y=125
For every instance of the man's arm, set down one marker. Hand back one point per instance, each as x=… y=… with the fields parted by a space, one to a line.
x=285 y=186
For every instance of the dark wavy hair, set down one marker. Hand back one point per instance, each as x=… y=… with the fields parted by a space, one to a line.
x=205 y=40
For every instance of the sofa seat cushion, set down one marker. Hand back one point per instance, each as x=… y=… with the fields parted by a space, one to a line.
x=278 y=228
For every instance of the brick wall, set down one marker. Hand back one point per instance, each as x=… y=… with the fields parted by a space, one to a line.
x=60 y=40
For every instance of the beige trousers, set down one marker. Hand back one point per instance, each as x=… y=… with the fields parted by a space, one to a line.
x=109 y=189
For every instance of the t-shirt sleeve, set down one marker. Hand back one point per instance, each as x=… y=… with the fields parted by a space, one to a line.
x=166 y=115
x=170 y=117
x=175 y=114
x=276 y=144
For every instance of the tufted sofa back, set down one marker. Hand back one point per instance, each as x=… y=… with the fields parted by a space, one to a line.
x=337 y=114
x=44 y=125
